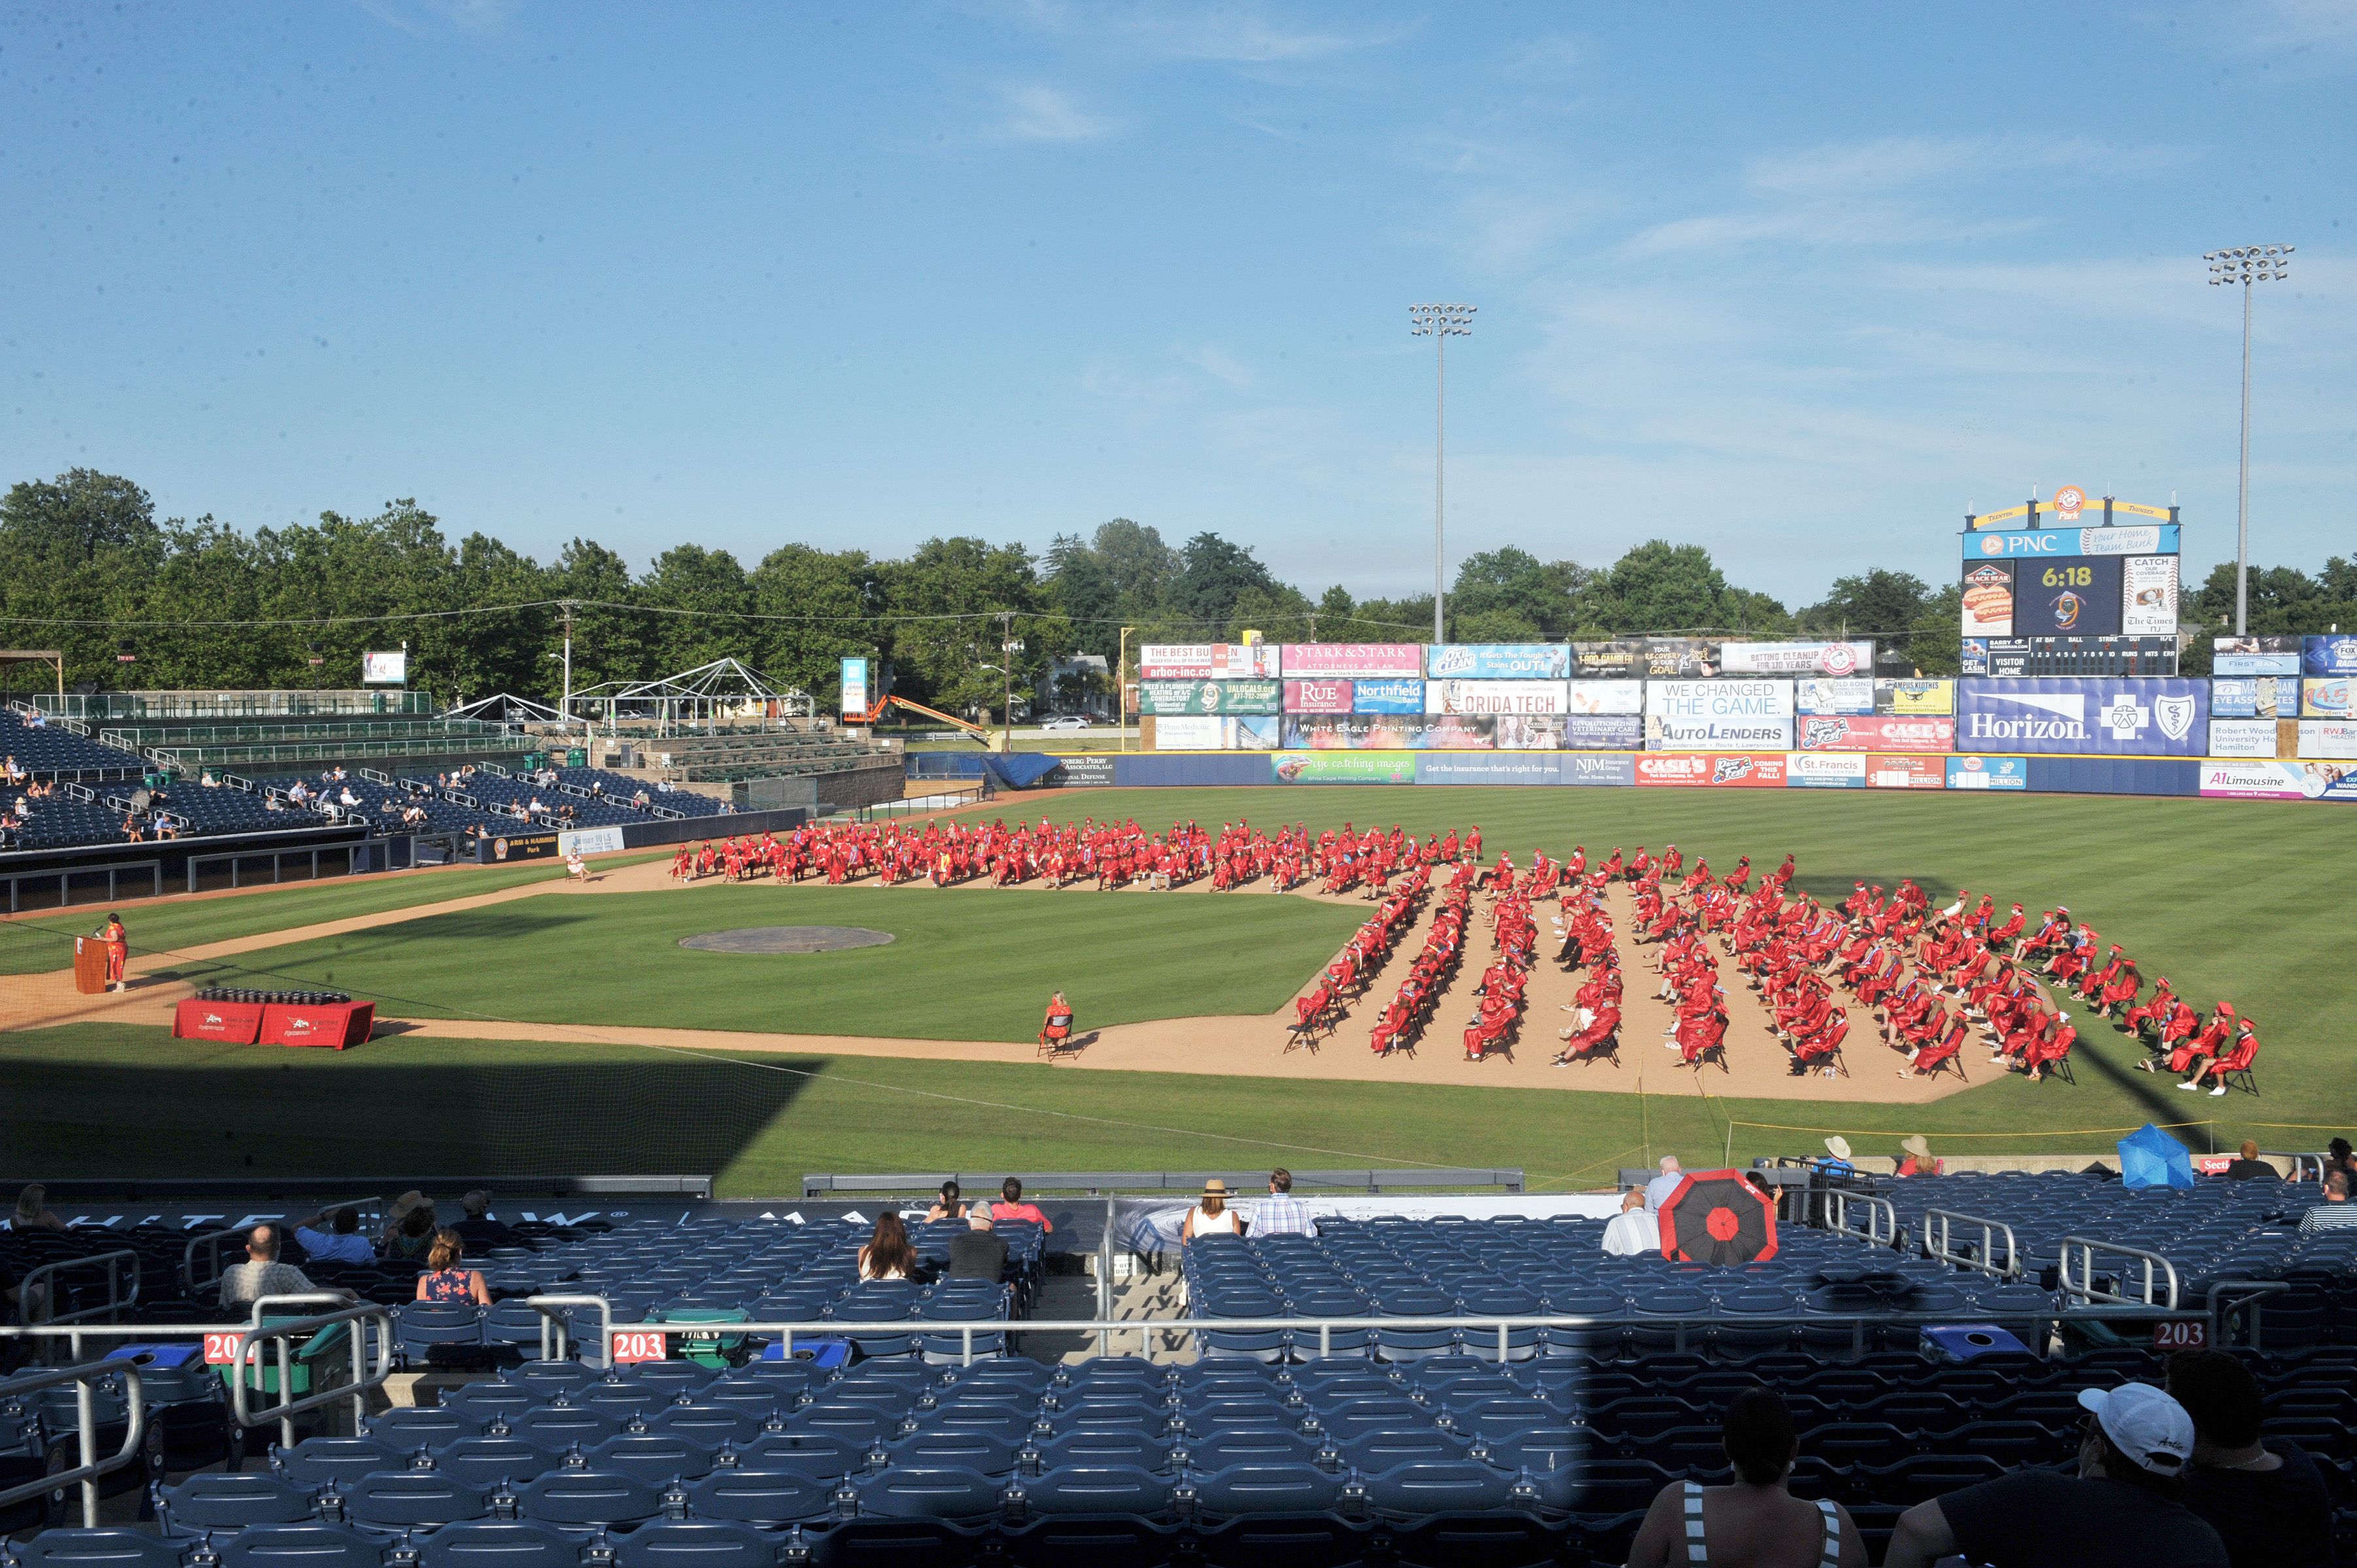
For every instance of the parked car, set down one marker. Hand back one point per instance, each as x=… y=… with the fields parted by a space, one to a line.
x=1066 y=721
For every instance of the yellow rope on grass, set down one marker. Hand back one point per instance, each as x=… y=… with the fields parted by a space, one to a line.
x=2035 y=1132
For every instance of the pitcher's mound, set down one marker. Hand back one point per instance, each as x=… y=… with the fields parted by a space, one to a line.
x=787 y=938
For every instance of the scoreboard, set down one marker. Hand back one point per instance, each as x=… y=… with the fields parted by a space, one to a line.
x=2039 y=578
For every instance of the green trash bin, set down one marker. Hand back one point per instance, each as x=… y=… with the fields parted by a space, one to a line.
x=706 y=1346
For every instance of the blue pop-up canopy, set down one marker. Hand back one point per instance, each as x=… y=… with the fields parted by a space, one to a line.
x=2150 y=1157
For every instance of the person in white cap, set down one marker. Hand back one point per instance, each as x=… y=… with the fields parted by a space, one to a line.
x=1838 y=1164
x=2121 y=1511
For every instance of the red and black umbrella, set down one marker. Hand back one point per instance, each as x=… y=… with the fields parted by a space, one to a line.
x=1716 y=1217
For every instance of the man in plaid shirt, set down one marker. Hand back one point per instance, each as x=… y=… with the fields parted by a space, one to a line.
x=1281 y=1213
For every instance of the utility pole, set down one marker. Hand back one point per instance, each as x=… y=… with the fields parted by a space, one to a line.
x=1439 y=323
x=2245 y=265
x=565 y=704
x=1006 y=645
x=1121 y=689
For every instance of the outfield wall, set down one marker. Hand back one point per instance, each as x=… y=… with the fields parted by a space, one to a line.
x=2215 y=778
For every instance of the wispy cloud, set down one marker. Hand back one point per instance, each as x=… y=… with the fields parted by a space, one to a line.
x=478 y=16
x=1217 y=363
x=1034 y=112
x=1235 y=35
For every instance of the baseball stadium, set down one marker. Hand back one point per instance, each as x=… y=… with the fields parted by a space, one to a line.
x=937 y=1052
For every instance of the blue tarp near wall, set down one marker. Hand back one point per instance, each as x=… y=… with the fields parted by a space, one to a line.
x=1011 y=770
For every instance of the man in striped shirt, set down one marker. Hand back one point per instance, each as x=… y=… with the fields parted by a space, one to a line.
x=2336 y=1212
x=1281 y=1213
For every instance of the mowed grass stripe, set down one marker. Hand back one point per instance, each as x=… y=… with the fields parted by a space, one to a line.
x=32 y=944
x=112 y=1100
x=967 y=965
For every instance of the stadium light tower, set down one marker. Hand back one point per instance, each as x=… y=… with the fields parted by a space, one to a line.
x=1439 y=323
x=2246 y=266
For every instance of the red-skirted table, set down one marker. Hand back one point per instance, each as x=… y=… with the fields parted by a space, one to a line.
x=335 y=1024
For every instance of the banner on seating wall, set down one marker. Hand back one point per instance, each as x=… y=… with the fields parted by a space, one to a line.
x=1715 y=716
x=1319 y=697
x=1345 y=767
x=1386 y=732
x=1912 y=698
x=1876 y=734
x=1303 y=660
x=1606 y=772
x=2247 y=738
x=1824 y=770
x=1826 y=696
x=589 y=841
x=1796 y=658
x=2004 y=773
x=1497 y=662
x=1190 y=732
x=2254 y=656
x=1740 y=770
x=2065 y=716
x=2331 y=740
x=1395 y=694
x=1488 y=767
x=1494 y=697
x=1887 y=772
x=1181 y=698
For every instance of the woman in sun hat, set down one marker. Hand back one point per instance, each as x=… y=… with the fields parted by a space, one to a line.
x=1211 y=1216
x=1919 y=1160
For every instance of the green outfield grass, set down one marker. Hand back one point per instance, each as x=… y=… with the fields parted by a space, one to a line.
x=31 y=944
x=965 y=965
x=403 y=1109
x=2235 y=899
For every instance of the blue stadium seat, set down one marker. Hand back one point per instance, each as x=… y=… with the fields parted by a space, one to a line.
x=393 y=1500
x=582 y=1500
x=498 y=1543
x=220 y=1501
x=301 y=1546
x=770 y=1499
x=695 y=1544
x=946 y=1493
x=1265 y=1488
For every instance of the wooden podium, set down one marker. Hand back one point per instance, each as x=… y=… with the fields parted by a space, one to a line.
x=90 y=965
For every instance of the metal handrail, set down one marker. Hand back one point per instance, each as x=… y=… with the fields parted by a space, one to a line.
x=1944 y=1250
x=1145 y=1327
x=370 y=1210
x=1881 y=1229
x=114 y=1303
x=557 y=1334
x=252 y=1335
x=2084 y=1287
x=83 y=1375
x=2254 y=1294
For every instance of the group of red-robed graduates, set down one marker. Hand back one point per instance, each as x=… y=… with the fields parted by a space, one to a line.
x=1370 y=946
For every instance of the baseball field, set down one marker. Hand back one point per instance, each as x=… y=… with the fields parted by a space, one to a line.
x=532 y=1026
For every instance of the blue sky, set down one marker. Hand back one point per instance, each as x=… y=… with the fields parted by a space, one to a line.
x=1799 y=284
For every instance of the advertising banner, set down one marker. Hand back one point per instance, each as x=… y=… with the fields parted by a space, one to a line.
x=2330 y=739
x=1166 y=698
x=1528 y=732
x=1391 y=696
x=1796 y=658
x=1353 y=659
x=2255 y=697
x=2141 y=539
x=1740 y=770
x=1257 y=733
x=1989 y=599
x=1245 y=661
x=1497 y=660
x=1094 y=770
x=2253 y=780
x=1824 y=770
x=1345 y=768
x=1824 y=695
x=2060 y=716
x=1196 y=734
x=1718 y=716
x=2328 y=781
x=1988 y=773
x=2071 y=595
x=1654 y=657
x=1604 y=732
x=1174 y=662
x=1382 y=732
x=516 y=846
x=1487 y=768
x=2327 y=697
x=1906 y=772
x=2327 y=655
x=1494 y=697
x=2245 y=738
x=1908 y=698
x=1605 y=697
x=2149 y=595
x=1599 y=772
x=384 y=669
x=1932 y=733
x=2254 y=656
x=589 y=841
x=1319 y=697
x=854 y=687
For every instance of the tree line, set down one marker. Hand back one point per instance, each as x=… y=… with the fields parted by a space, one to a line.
x=137 y=602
